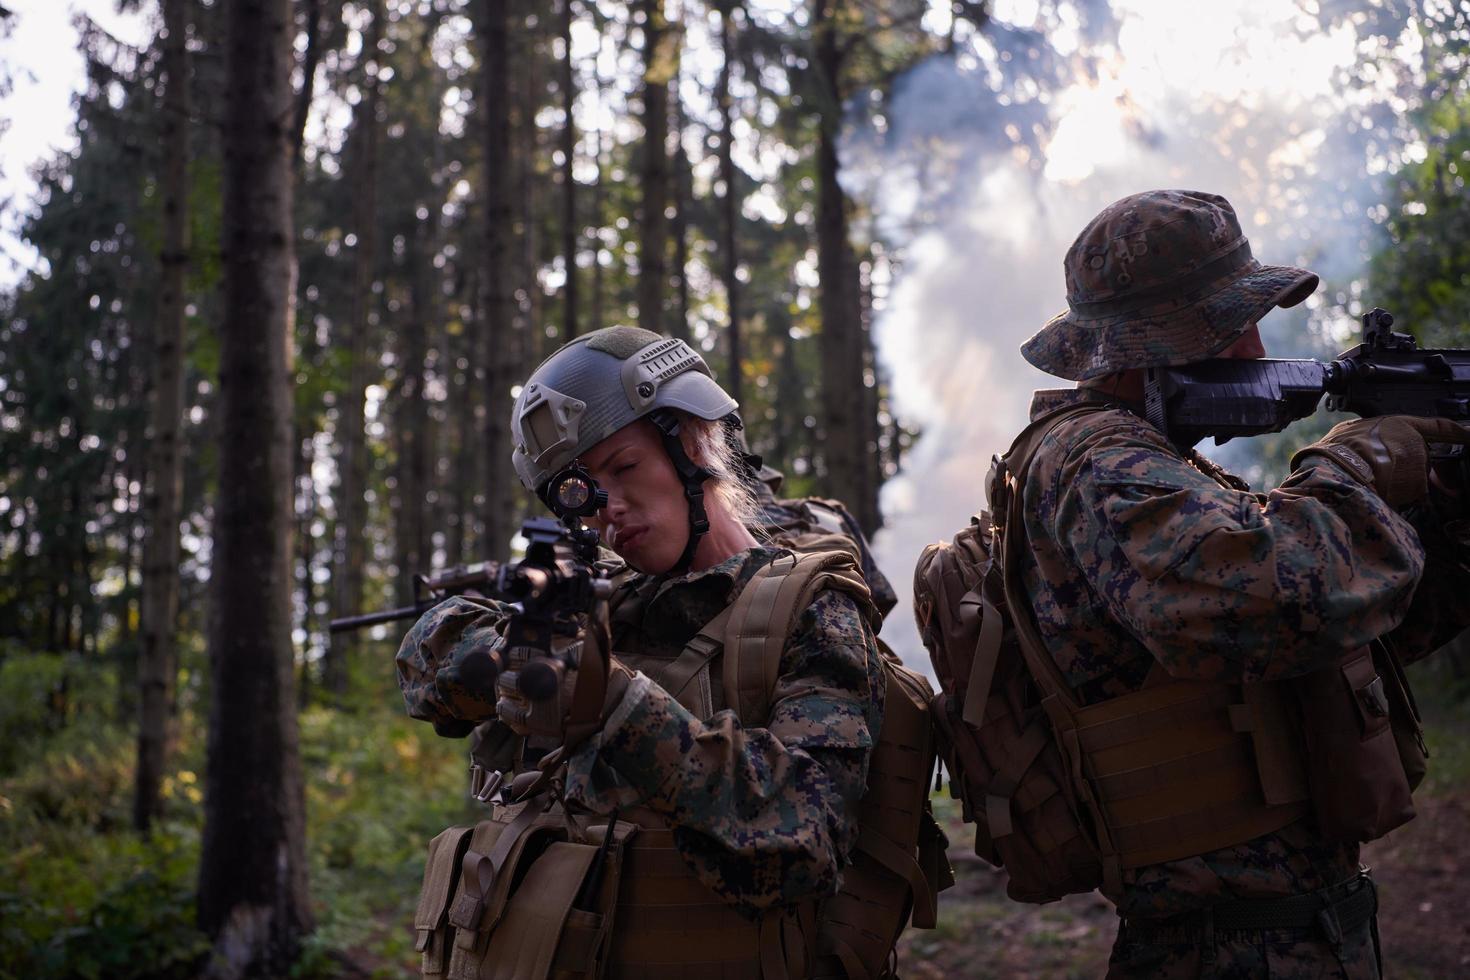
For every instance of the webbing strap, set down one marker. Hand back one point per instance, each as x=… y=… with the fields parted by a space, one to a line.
x=902 y=864
x=485 y=869
x=746 y=635
x=1003 y=787
x=851 y=962
x=696 y=653
x=773 y=953
x=526 y=946
x=763 y=616
x=987 y=655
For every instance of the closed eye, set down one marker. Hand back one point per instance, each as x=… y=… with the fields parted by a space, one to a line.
x=623 y=468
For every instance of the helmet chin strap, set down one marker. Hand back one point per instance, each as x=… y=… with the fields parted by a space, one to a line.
x=692 y=476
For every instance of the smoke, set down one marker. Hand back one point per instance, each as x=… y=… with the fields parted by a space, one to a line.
x=990 y=160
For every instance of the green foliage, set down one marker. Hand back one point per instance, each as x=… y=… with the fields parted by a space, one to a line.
x=41 y=695
x=1422 y=273
x=83 y=896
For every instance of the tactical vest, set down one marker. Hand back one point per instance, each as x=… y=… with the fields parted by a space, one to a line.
x=647 y=915
x=1068 y=796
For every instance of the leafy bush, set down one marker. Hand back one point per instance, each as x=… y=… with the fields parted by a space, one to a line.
x=42 y=694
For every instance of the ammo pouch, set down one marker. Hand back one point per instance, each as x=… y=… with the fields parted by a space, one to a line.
x=1364 y=746
x=506 y=900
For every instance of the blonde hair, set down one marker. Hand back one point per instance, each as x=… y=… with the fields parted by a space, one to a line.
x=708 y=445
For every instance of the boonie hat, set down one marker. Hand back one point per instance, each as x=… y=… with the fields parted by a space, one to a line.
x=1159 y=279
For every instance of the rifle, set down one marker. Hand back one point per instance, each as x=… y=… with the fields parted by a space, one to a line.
x=1387 y=374
x=557 y=589
x=428 y=592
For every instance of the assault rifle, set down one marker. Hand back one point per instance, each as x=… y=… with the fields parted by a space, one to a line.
x=555 y=590
x=1387 y=374
x=428 y=592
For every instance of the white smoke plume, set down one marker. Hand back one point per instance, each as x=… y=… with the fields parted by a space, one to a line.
x=985 y=184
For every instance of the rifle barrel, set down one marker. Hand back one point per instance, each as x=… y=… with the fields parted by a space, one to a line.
x=374 y=618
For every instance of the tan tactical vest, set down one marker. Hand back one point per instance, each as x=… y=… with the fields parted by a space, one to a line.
x=492 y=907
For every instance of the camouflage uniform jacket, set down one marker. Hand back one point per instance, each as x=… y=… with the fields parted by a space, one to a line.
x=1141 y=554
x=764 y=816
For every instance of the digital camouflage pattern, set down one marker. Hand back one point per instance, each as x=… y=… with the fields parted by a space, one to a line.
x=1159 y=278
x=1280 y=954
x=1141 y=554
x=763 y=815
x=444 y=667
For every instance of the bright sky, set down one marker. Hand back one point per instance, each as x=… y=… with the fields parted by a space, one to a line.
x=41 y=53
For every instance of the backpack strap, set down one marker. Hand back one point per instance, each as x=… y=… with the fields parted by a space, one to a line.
x=1007 y=486
x=764 y=615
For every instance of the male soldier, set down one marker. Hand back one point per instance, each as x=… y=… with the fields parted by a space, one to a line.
x=1145 y=563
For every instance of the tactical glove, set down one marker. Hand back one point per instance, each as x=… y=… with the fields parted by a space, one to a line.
x=549 y=717
x=1389 y=453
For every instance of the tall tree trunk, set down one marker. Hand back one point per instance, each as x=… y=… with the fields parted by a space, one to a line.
x=311 y=15
x=729 y=200
x=866 y=508
x=599 y=278
x=352 y=458
x=413 y=431
x=659 y=58
x=683 y=205
x=841 y=346
x=790 y=389
x=497 y=337
x=165 y=478
x=252 y=873
x=570 y=233
x=530 y=332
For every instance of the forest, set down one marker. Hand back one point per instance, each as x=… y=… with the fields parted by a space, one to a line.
x=301 y=254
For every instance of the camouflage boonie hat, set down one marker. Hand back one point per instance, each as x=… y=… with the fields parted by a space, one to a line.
x=1159 y=279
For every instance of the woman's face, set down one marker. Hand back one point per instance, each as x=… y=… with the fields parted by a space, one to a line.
x=646 y=520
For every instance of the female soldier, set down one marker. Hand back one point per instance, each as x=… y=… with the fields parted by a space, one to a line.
x=754 y=816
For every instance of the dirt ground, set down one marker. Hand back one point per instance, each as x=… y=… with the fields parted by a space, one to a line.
x=1422 y=870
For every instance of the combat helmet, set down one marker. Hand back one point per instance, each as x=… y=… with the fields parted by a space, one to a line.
x=1159 y=279
x=595 y=385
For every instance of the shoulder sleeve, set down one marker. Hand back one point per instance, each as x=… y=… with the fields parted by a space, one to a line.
x=442 y=664
x=764 y=816
x=1219 y=583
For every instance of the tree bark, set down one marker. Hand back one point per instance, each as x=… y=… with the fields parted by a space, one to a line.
x=252 y=874
x=729 y=200
x=311 y=13
x=570 y=233
x=414 y=462
x=683 y=206
x=841 y=345
x=497 y=338
x=157 y=660
x=599 y=279
x=352 y=458
x=659 y=55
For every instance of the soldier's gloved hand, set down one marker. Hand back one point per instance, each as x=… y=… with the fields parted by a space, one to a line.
x=524 y=716
x=512 y=707
x=1389 y=453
